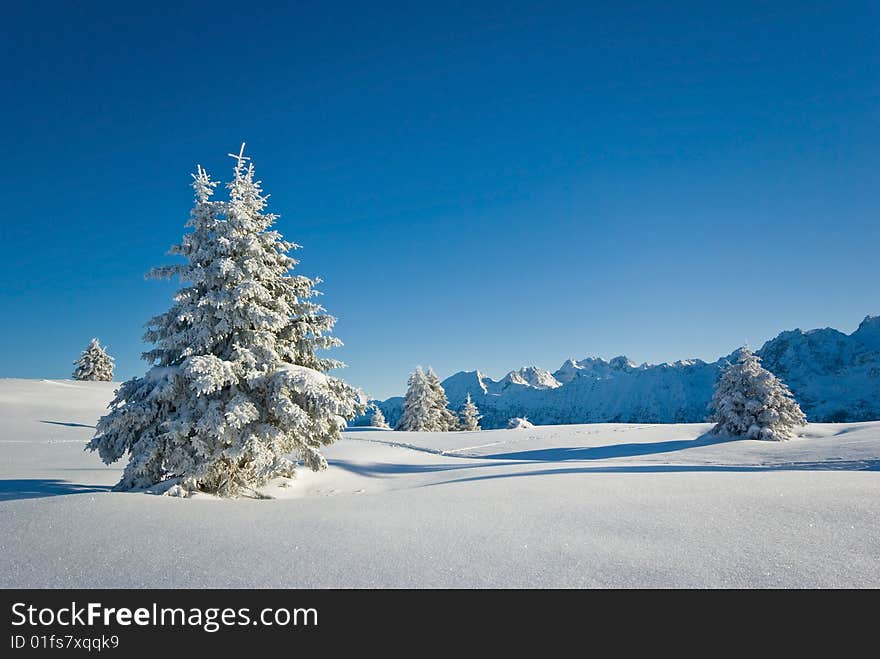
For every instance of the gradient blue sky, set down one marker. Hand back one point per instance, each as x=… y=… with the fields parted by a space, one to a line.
x=481 y=185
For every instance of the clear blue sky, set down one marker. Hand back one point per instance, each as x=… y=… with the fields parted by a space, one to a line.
x=481 y=185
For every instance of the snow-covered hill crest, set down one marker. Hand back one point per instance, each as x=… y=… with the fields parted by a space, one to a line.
x=834 y=376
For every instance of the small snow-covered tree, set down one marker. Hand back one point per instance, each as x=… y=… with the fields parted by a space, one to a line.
x=378 y=419
x=94 y=364
x=518 y=423
x=445 y=419
x=236 y=385
x=749 y=401
x=470 y=415
x=418 y=405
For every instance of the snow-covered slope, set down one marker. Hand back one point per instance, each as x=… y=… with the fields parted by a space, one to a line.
x=834 y=377
x=606 y=505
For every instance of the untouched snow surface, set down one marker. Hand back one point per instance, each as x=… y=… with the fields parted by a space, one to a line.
x=552 y=506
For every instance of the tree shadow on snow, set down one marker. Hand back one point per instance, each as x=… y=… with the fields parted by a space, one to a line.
x=379 y=469
x=610 y=451
x=36 y=488
x=834 y=465
x=69 y=424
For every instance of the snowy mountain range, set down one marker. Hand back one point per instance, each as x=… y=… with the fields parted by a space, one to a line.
x=834 y=376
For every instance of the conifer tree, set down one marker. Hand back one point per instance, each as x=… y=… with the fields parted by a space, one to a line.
x=749 y=401
x=470 y=415
x=235 y=384
x=378 y=419
x=445 y=419
x=419 y=413
x=94 y=364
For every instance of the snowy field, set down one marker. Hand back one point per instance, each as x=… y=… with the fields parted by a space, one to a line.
x=606 y=505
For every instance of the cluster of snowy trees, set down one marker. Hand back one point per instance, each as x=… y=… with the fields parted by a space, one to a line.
x=426 y=408
x=94 y=364
x=235 y=385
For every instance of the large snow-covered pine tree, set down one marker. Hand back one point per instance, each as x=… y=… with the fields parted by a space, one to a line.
x=445 y=418
x=378 y=419
x=470 y=415
x=236 y=386
x=418 y=405
x=94 y=364
x=749 y=401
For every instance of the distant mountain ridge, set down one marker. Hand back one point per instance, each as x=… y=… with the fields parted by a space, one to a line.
x=834 y=376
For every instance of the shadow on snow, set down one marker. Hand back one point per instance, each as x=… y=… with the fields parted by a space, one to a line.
x=36 y=488
x=69 y=424
x=851 y=465
x=379 y=469
x=610 y=451
x=561 y=455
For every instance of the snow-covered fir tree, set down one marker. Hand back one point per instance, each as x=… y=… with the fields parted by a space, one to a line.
x=236 y=387
x=418 y=405
x=445 y=418
x=94 y=364
x=378 y=419
x=749 y=401
x=470 y=415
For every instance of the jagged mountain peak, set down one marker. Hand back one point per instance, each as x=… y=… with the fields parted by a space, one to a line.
x=868 y=332
x=567 y=372
x=621 y=363
x=593 y=367
x=467 y=381
x=531 y=376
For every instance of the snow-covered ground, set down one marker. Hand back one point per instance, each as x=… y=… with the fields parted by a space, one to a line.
x=552 y=506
